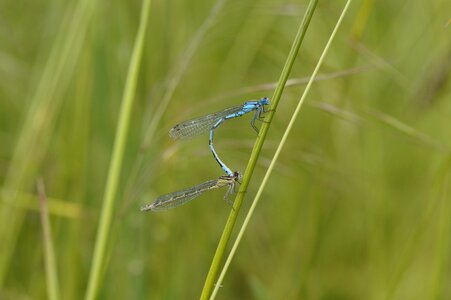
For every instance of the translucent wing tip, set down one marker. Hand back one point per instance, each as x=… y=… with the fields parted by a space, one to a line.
x=174 y=132
x=156 y=206
x=148 y=207
x=178 y=132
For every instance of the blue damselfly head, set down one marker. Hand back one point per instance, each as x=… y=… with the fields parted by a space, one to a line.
x=264 y=101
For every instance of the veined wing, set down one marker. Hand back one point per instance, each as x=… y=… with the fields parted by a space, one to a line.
x=200 y=125
x=175 y=199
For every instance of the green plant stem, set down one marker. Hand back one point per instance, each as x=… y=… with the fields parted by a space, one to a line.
x=214 y=267
x=278 y=151
x=117 y=157
x=49 y=252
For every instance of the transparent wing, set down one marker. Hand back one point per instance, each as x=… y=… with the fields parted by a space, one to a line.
x=200 y=125
x=175 y=199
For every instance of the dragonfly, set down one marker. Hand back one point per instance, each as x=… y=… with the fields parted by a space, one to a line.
x=212 y=121
x=178 y=198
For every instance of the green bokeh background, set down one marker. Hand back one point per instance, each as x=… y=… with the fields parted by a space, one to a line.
x=358 y=206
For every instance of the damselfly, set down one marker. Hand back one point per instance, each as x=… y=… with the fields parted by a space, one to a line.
x=210 y=122
x=175 y=199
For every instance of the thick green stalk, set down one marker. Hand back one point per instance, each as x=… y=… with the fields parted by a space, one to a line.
x=219 y=254
x=278 y=151
x=117 y=157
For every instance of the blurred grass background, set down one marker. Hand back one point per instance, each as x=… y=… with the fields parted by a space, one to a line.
x=358 y=207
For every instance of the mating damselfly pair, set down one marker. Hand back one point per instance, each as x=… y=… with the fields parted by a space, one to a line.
x=196 y=127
